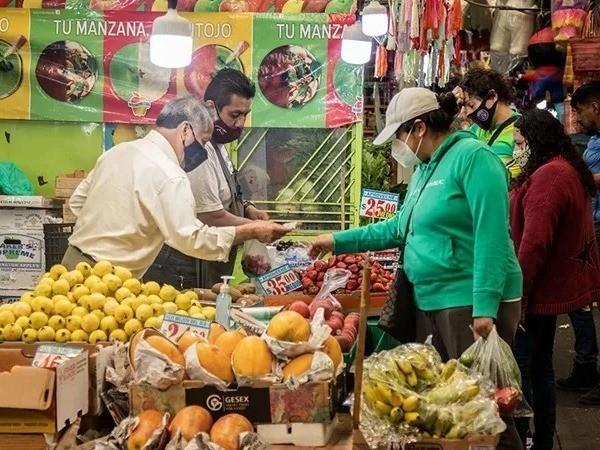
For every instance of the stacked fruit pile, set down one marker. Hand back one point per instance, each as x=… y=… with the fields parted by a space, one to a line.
x=313 y=277
x=343 y=327
x=410 y=391
x=93 y=304
x=151 y=426
x=227 y=356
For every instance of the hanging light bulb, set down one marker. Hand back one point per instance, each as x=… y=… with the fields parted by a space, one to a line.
x=374 y=19
x=356 y=47
x=171 y=40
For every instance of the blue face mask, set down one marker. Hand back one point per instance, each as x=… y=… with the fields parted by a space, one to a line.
x=194 y=154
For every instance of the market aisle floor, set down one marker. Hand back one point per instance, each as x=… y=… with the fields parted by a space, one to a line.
x=578 y=426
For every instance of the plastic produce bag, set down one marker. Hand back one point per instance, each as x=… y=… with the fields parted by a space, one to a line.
x=256 y=260
x=13 y=181
x=409 y=394
x=334 y=280
x=493 y=358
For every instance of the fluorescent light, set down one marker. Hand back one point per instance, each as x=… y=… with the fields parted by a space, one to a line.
x=356 y=47
x=171 y=41
x=375 y=19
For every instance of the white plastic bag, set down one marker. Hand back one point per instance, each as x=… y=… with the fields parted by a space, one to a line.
x=256 y=260
x=493 y=358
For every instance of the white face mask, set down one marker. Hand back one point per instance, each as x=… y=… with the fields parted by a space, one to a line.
x=403 y=154
x=521 y=154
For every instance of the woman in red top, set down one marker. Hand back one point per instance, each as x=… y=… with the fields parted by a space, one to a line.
x=553 y=231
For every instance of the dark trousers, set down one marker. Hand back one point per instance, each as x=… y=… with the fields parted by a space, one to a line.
x=586 y=344
x=534 y=350
x=452 y=336
x=184 y=272
x=174 y=268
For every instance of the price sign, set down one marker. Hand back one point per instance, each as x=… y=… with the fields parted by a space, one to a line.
x=280 y=281
x=50 y=356
x=174 y=325
x=378 y=204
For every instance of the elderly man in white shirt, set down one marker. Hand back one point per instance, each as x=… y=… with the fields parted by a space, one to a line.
x=138 y=197
x=215 y=184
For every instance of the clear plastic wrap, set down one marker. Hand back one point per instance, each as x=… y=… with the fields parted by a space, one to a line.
x=256 y=260
x=408 y=394
x=493 y=359
x=334 y=280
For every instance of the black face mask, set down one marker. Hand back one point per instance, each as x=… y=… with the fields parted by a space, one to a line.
x=224 y=134
x=483 y=115
x=194 y=154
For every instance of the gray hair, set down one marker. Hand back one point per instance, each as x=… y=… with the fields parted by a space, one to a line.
x=187 y=109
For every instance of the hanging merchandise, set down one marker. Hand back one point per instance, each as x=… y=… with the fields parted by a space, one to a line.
x=425 y=35
x=568 y=17
x=511 y=31
x=455 y=18
x=548 y=62
x=415 y=30
x=381 y=64
x=393 y=12
x=477 y=17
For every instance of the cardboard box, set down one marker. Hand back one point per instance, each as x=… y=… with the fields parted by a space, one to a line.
x=11 y=296
x=299 y=434
x=98 y=357
x=48 y=400
x=23 y=441
x=310 y=403
x=68 y=216
x=14 y=219
x=28 y=201
x=470 y=443
x=70 y=180
x=22 y=261
x=65 y=185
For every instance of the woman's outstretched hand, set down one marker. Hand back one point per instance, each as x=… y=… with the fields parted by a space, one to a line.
x=321 y=246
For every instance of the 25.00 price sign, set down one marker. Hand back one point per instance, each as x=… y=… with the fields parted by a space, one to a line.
x=280 y=281
x=378 y=204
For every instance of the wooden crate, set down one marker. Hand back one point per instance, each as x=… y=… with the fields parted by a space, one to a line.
x=65 y=185
x=68 y=216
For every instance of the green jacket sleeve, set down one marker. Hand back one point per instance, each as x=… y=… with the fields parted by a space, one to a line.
x=486 y=190
x=378 y=236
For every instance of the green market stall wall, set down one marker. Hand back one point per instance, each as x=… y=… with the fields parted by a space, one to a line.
x=301 y=155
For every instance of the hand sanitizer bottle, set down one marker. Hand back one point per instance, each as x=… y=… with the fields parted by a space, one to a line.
x=224 y=303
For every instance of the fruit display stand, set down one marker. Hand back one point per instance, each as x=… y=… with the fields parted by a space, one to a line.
x=358 y=440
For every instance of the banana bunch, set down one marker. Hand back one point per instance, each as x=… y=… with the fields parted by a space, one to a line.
x=411 y=389
x=390 y=404
x=414 y=367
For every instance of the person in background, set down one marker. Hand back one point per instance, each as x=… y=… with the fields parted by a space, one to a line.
x=458 y=253
x=485 y=97
x=137 y=197
x=586 y=104
x=214 y=182
x=551 y=223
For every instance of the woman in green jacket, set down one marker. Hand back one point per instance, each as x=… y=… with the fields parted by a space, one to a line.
x=458 y=254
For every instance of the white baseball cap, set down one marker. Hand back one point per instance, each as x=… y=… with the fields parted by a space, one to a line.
x=406 y=105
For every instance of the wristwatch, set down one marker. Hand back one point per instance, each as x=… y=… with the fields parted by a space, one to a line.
x=247 y=204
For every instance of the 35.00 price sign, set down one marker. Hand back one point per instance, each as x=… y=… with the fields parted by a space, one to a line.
x=378 y=204
x=280 y=281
